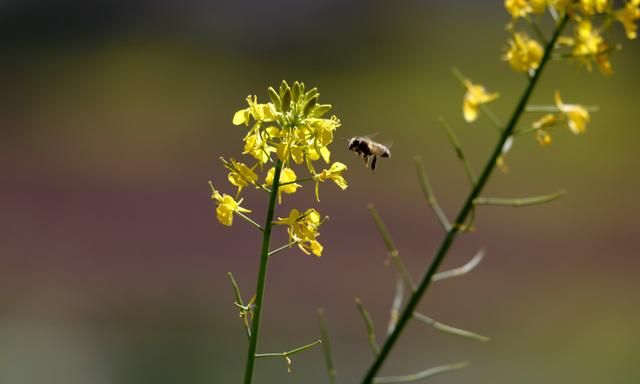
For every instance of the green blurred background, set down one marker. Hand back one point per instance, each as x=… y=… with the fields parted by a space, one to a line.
x=113 y=265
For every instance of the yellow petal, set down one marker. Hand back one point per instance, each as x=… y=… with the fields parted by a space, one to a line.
x=469 y=111
x=241 y=117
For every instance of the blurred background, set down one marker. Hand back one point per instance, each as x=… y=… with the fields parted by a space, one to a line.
x=113 y=265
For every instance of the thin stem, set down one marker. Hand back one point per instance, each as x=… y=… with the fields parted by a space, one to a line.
x=458 y=148
x=396 y=306
x=280 y=249
x=420 y=375
x=449 y=329
x=468 y=205
x=429 y=195
x=493 y=118
x=554 y=108
x=297 y=181
x=536 y=29
x=240 y=303
x=371 y=333
x=249 y=220
x=262 y=275
x=463 y=270
x=394 y=255
x=518 y=202
x=289 y=353
x=326 y=346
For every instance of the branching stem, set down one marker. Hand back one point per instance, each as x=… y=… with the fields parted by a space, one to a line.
x=262 y=276
x=467 y=207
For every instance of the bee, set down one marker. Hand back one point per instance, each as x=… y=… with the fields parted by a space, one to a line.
x=369 y=150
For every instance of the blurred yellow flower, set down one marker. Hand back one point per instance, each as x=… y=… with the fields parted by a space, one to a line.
x=475 y=95
x=577 y=116
x=588 y=40
x=523 y=53
x=628 y=17
x=545 y=121
x=518 y=8
x=287 y=181
x=588 y=45
x=591 y=7
x=226 y=206
x=333 y=173
x=543 y=137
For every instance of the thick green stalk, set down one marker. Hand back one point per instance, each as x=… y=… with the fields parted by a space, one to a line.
x=262 y=275
x=464 y=212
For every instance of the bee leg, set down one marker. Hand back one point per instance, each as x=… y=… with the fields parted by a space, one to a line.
x=366 y=161
x=373 y=163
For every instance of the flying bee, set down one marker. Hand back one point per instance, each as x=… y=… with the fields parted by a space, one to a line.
x=368 y=149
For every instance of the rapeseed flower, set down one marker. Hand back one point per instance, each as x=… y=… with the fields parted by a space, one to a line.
x=576 y=116
x=523 y=53
x=227 y=206
x=333 y=173
x=287 y=182
x=303 y=230
x=628 y=17
x=475 y=95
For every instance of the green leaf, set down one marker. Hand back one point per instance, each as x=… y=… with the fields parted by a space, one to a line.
x=275 y=98
x=320 y=110
x=309 y=107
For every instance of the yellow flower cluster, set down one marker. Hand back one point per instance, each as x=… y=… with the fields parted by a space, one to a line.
x=587 y=45
x=524 y=53
x=303 y=230
x=289 y=130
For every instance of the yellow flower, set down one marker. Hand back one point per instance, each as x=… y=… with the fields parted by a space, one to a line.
x=541 y=125
x=226 y=206
x=333 y=173
x=242 y=117
x=312 y=246
x=588 y=40
x=543 y=137
x=287 y=181
x=257 y=147
x=303 y=230
x=241 y=175
x=589 y=45
x=546 y=121
x=524 y=53
x=475 y=95
x=628 y=17
x=518 y=8
x=591 y=7
x=577 y=116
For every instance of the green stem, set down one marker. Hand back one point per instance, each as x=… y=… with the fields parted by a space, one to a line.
x=414 y=377
x=262 y=275
x=326 y=346
x=467 y=207
x=371 y=333
x=289 y=353
x=240 y=303
x=458 y=148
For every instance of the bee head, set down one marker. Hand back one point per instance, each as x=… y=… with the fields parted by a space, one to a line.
x=354 y=142
x=386 y=153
